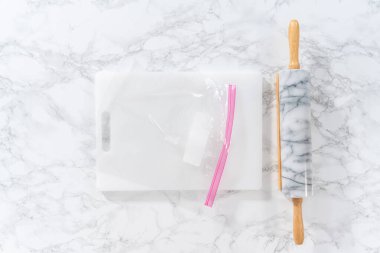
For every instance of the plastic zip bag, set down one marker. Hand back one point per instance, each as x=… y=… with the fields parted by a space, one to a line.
x=164 y=124
x=165 y=131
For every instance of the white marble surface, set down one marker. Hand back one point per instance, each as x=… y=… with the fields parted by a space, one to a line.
x=294 y=91
x=49 y=53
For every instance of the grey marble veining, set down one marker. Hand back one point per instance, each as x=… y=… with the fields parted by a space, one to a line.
x=294 y=94
x=49 y=54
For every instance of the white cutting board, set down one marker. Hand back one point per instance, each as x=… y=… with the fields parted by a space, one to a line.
x=134 y=153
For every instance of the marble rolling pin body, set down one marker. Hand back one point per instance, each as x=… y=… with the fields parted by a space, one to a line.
x=293 y=96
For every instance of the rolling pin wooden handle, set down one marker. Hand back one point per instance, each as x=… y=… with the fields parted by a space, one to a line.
x=297 y=221
x=294 y=39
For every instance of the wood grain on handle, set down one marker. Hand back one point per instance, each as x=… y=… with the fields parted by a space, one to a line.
x=294 y=39
x=297 y=221
x=278 y=133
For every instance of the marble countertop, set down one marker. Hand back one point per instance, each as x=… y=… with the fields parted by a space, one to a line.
x=49 y=54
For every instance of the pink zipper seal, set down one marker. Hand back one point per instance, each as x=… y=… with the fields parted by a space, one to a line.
x=226 y=145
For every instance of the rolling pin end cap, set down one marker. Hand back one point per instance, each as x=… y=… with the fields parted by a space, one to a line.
x=293 y=22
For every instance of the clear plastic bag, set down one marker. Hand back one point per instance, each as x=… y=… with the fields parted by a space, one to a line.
x=157 y=122
x=165 y=131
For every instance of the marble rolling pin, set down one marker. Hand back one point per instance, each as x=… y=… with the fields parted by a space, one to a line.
x=294 y=136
